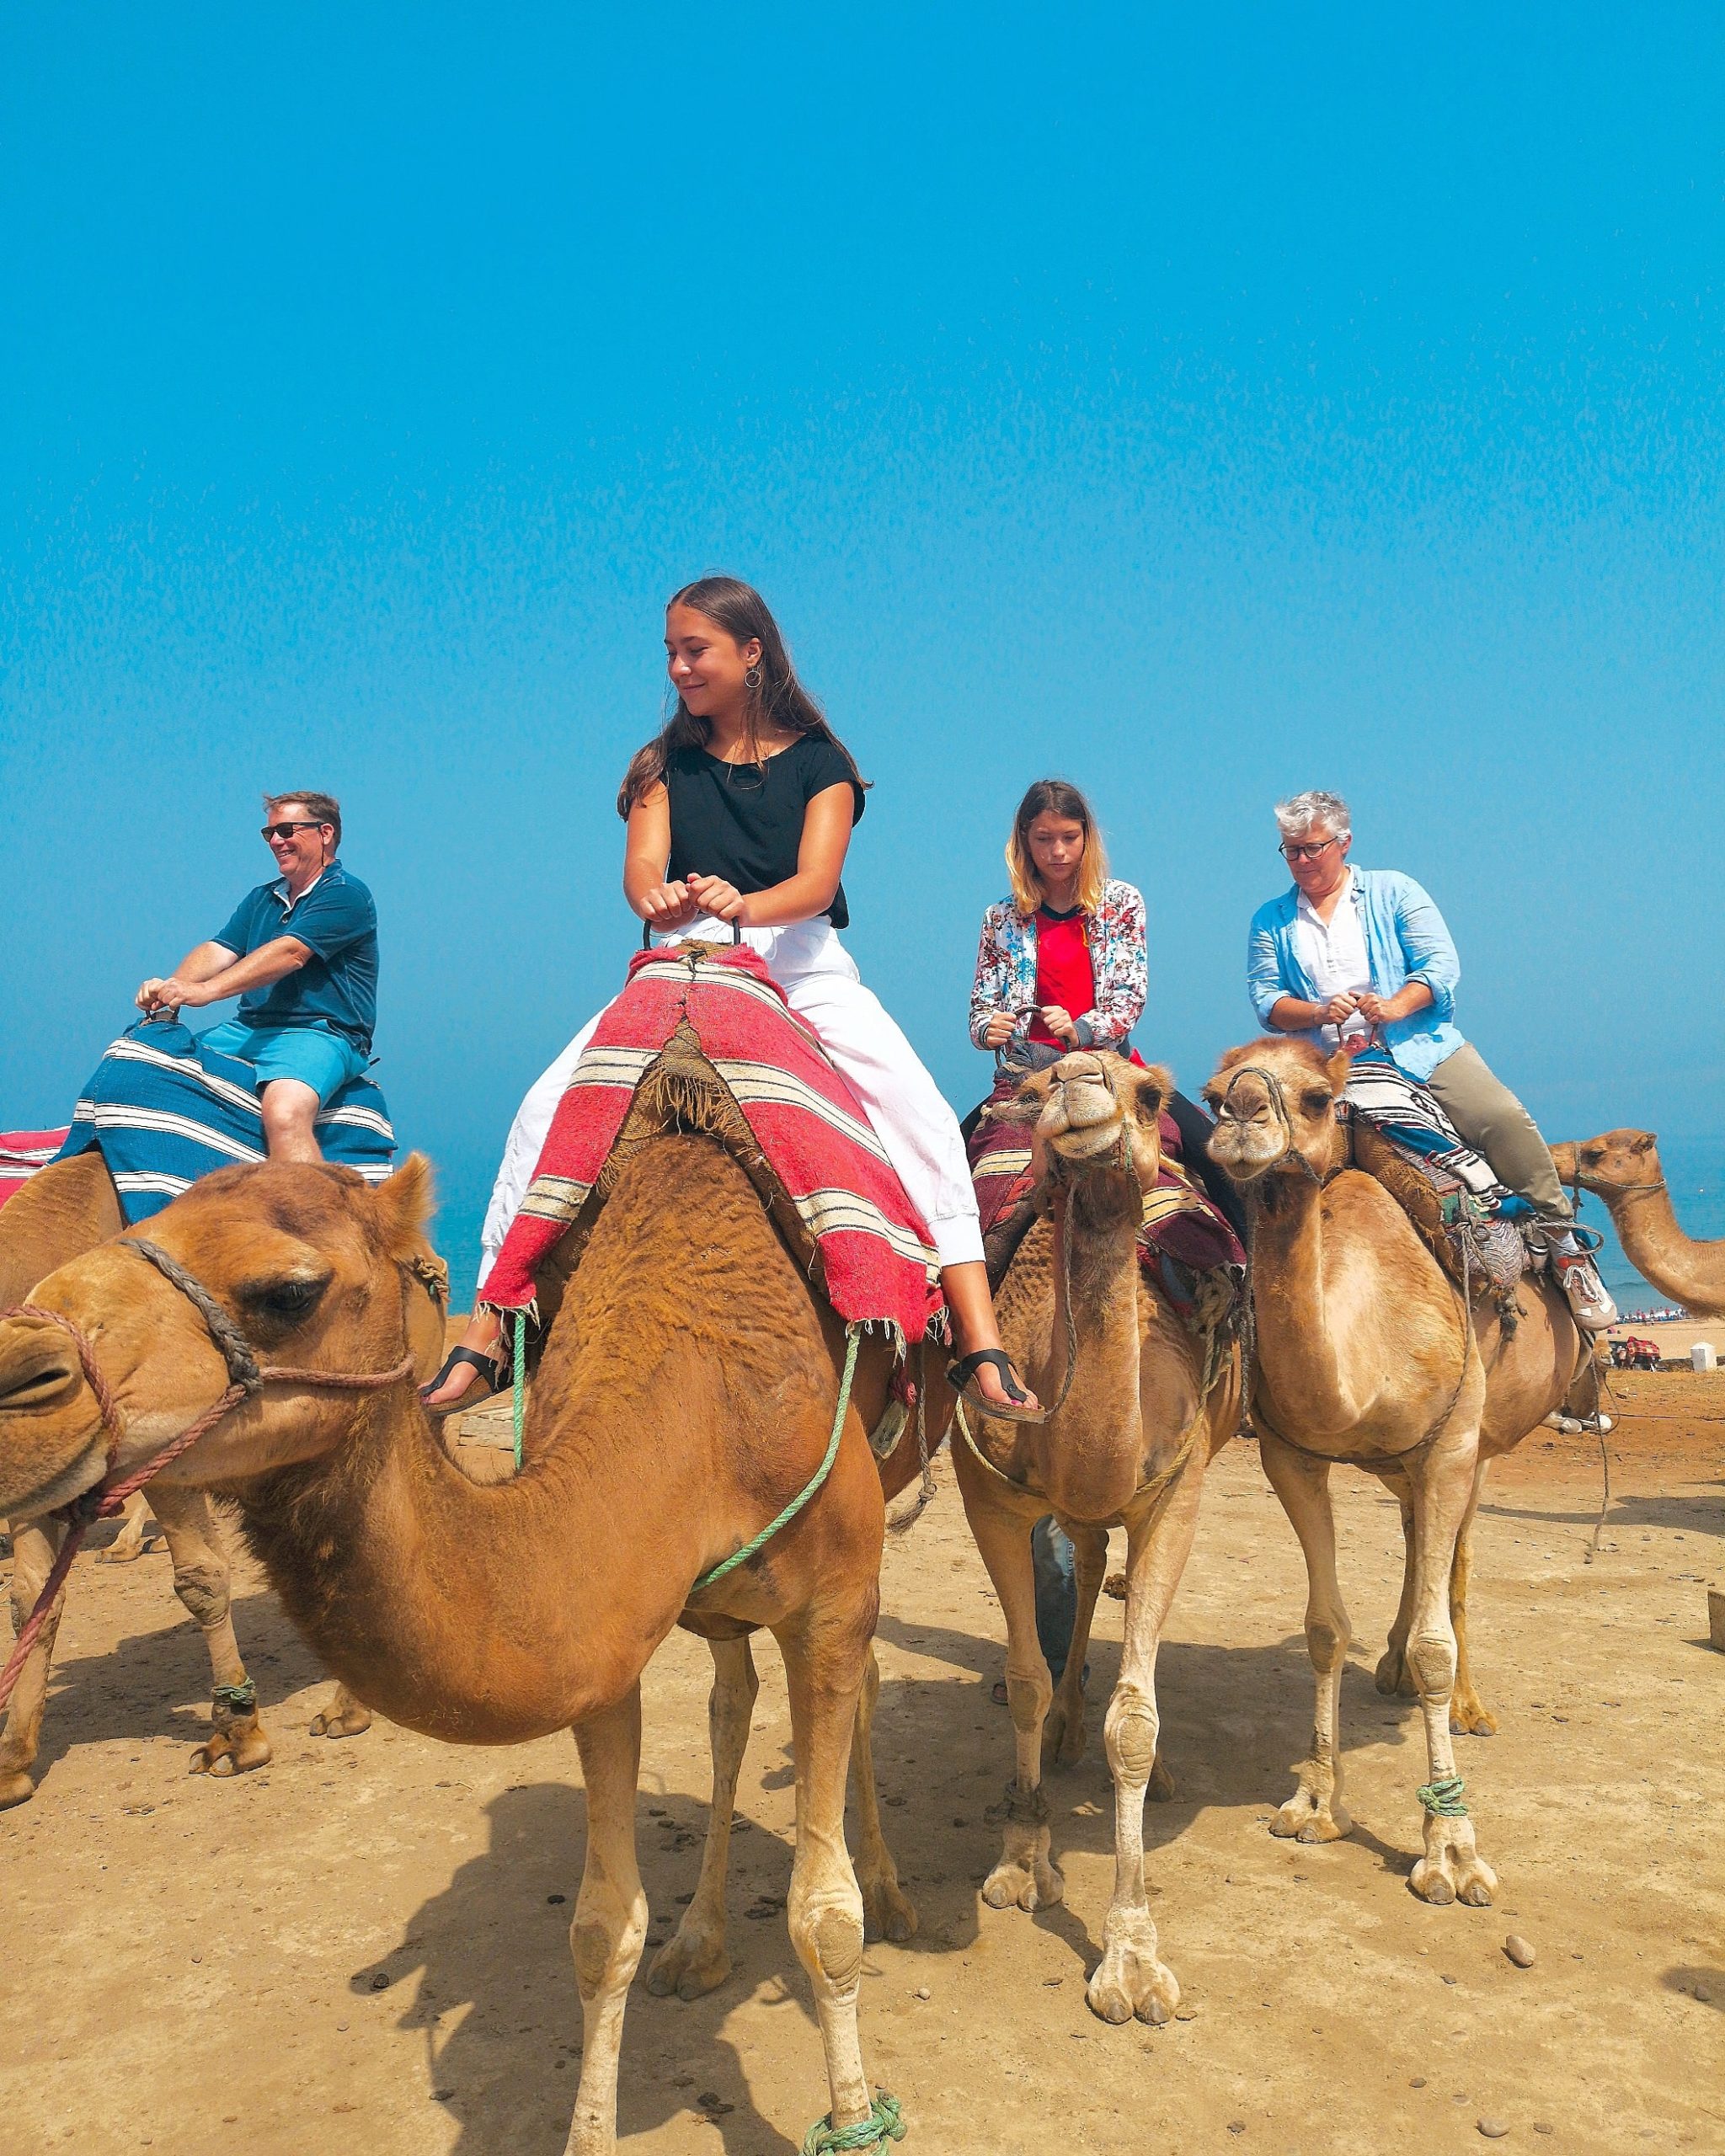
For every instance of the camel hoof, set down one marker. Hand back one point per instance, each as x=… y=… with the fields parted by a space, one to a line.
x=1391 y=1673
x=15 y=1788
x=691 y=1963
x=1029 y=1884
x=238 y=1751
x=1064 y=1736
x=126 y=1550
x=1454 y=1870
x=1303 y=1818
x=1130 y=1983
x=1163 y=1788
x=351 y=1720
x=1470 y=1718
x=888 y=1912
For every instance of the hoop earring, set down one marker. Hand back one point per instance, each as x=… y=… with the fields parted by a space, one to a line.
x=752 y=677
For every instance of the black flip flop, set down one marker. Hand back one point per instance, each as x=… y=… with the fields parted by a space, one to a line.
x=495 y=1370
x=961 y=1376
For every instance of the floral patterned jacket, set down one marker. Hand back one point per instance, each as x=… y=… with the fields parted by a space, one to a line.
x=1006 y=970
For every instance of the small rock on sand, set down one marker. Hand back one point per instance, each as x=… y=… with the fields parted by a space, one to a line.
x=1519 y=1952
x=1494 y=2129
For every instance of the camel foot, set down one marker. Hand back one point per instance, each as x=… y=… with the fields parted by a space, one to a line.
x=692 y=1963
x=1393 y=1677
x=1024 y=1878
x=344 y=1717
x=1131 y=1982
x=1309 y=1816
x=1452 y=1868
x=1469 y=1716
x=888 y=1912
x=15 y=1788
x=236 y=1751
x=1162 y=1787
x=1063 y=1733
x=127 y=1548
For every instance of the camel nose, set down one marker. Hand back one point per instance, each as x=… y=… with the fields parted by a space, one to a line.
x=37 y=1365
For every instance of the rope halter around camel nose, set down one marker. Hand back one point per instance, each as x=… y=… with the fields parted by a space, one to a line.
x=245 y=1377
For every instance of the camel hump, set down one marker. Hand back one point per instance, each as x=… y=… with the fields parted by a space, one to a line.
x=1385 y=1163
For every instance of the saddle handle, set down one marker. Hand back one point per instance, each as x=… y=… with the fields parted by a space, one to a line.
x=736 y=927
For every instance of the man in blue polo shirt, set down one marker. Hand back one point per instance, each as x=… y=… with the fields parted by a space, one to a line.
x=302 y=955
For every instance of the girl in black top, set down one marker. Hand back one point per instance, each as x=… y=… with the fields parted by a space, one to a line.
x=740 y=811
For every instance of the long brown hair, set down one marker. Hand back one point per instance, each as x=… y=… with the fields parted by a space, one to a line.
x=777 y=703
x=1054 y=797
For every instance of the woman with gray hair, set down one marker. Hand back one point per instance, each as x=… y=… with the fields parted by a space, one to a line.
x=1352 y=954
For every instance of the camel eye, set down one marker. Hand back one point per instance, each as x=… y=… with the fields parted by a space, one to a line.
x=1316 y=1101
x=1591 y=1157
x=287 y=1302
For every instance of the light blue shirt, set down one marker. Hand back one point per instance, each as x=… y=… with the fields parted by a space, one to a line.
x=1405 y=940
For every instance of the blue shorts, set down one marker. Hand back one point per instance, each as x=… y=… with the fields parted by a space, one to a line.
x=316 y=1057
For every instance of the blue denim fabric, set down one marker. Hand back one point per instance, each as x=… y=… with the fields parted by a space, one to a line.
x=1056 y=1593
x=1405 y=940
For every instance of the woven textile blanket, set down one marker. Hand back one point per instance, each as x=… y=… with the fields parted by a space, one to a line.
x=164 y=1110
x=22 y=1152
x=875 y=1254
x=1180 y=1222
x=1407 y=1113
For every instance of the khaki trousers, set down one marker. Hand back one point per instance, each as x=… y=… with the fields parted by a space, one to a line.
x=1494 y=1123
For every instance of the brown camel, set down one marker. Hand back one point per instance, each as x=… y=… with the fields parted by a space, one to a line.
x=1623 y=1168
x=695 y=1395
x=67 y=1208
x=1364 y=1355
x=1138 y=1417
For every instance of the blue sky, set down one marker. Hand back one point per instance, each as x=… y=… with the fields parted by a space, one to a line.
x=1200 y=404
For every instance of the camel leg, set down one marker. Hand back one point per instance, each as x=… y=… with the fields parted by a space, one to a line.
x=1443 y=1488
x=36 y=1543
x=1393 y=1677
x=1065 y=1734
x=1315 y=1813
x=825 y=1662
x=1469 y=1714
x=610 y=1916
x=1025 y=1874
x=135 y=1537
x=696 y=1960
x=887 y=1911
x=1131 y=1979
x=340 y=1716
x=237 y=1741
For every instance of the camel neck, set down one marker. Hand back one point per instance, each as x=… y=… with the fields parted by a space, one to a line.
x=1096 y=1441
x=1689 y=1272
x=1298 y=1376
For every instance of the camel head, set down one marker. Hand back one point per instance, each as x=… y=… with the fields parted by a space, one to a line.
x=316 y=1269
x=1623 y=1159
x=1092 y=1115
x=1274 y=1102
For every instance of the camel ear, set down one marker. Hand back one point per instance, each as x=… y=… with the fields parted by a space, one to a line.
x=1155 y=1084
x=405 y=1204
x=1646 y=1142
x=1337 y=1069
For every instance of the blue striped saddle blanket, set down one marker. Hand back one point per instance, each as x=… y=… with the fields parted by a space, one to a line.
x=163 y=1110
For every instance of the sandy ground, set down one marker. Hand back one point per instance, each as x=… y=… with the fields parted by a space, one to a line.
x=365 y=1945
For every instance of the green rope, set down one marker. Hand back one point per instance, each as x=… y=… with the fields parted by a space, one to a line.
x=1443 y=1799
x=239 y=1699
x=752 y=1548
x=885 y=2122
x=519 y=1385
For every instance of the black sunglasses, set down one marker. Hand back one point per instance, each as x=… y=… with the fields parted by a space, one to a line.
x=287 y=830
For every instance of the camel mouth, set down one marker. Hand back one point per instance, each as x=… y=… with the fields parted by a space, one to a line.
x=1088 y=1141
x=1244 y=1151
x=42 y=1379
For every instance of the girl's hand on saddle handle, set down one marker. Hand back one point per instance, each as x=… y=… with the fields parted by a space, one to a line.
x=722 y=901
x=998 y=1030
x=1060 y=1024
x=668 y=905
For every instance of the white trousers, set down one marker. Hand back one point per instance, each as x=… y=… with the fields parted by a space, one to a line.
x=918 y=1132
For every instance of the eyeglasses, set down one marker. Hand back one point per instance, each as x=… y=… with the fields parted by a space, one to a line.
x=1306 y=852
x=287 y=830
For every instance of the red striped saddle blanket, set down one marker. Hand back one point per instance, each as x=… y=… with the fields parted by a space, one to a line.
x=692 y=1017
x=22 y=1152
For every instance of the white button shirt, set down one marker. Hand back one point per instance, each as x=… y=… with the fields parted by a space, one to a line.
x=1333 y=953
